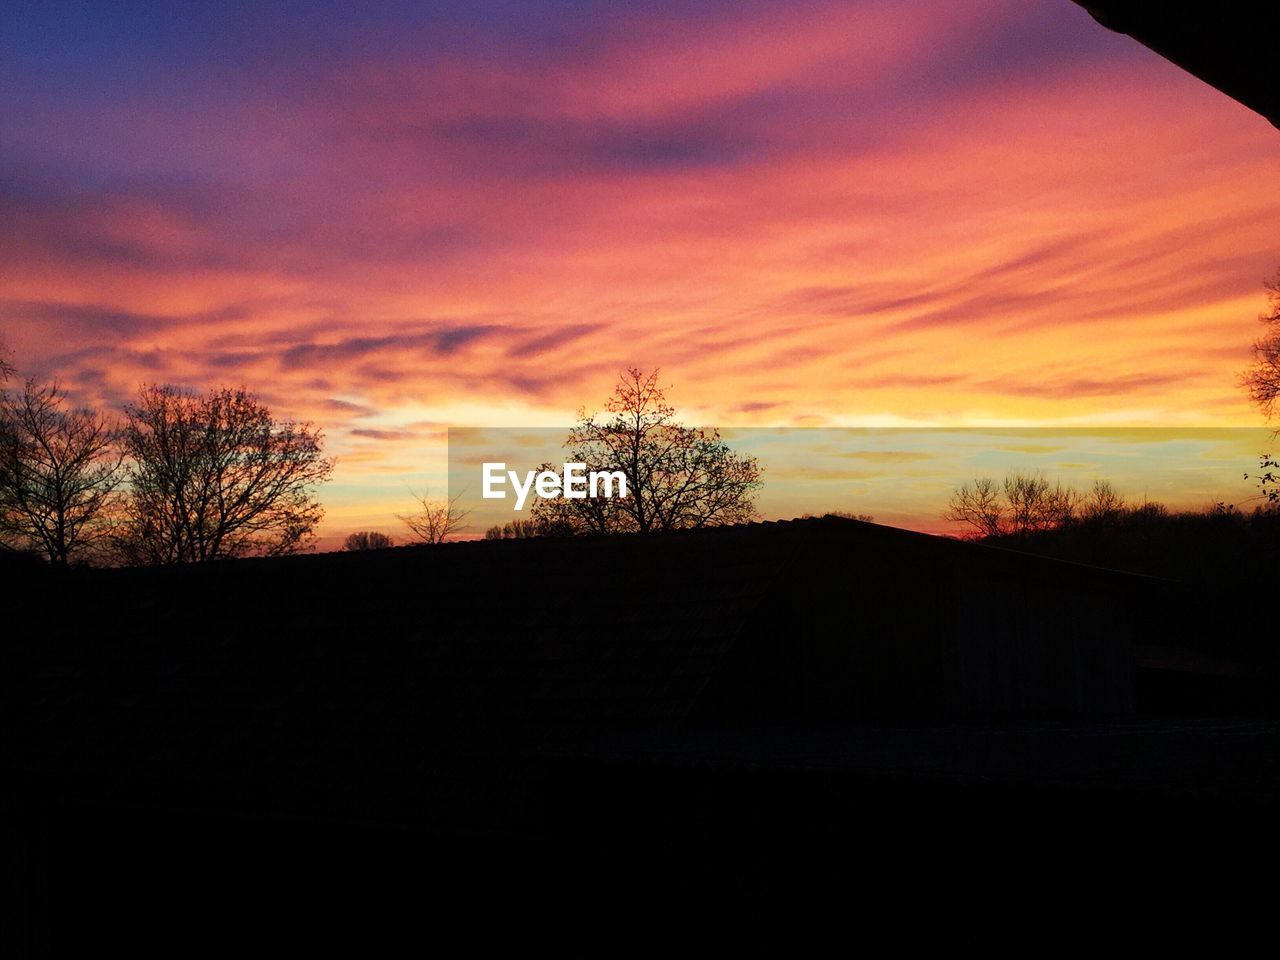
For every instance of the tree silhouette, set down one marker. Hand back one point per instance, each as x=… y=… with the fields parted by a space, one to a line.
x=6 y=371
x=677 y=476
x=59 y=468
x=1022 y=503
x=367 y=540
x=977 y=504
x=216 y=476
x=1263 y=379
x=1268 y=478
x=1102 y=504
x=435 y=520
x=842 y=514
x=517 y=529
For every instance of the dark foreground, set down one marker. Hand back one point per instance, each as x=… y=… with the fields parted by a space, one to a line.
x=763 y=736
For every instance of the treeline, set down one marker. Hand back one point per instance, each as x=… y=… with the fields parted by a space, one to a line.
x=1219 y=544
x=1027 y=502
x=1224 y=560
x=175 y=477
x=183 y=477
x=678 y=477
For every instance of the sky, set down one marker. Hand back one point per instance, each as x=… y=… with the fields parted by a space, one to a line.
x=905 y=476
x=393 y=218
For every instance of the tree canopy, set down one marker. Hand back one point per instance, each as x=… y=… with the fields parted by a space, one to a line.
x=59 y=469
x=677 y=476
x=367 y=540
x=215 y=476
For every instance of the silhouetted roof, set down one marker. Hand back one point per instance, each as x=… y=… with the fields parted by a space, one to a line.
x=1229 y=46
x=429 y=684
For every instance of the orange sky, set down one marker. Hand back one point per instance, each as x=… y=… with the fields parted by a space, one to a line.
x=817 y=214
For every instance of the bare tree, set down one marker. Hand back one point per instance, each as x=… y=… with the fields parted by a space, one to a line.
x=518 y=529
x=6 y=371
x=435 y=520
x=1102 y=503
x=1263 y=379
x=1022 y=503
x=216 y=476
x=1036 y=504
x=367 y=540
x=677 y=476
x=59 y=467
x=977 y=504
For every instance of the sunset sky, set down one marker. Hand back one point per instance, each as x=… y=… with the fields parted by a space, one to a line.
x=392 y=218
